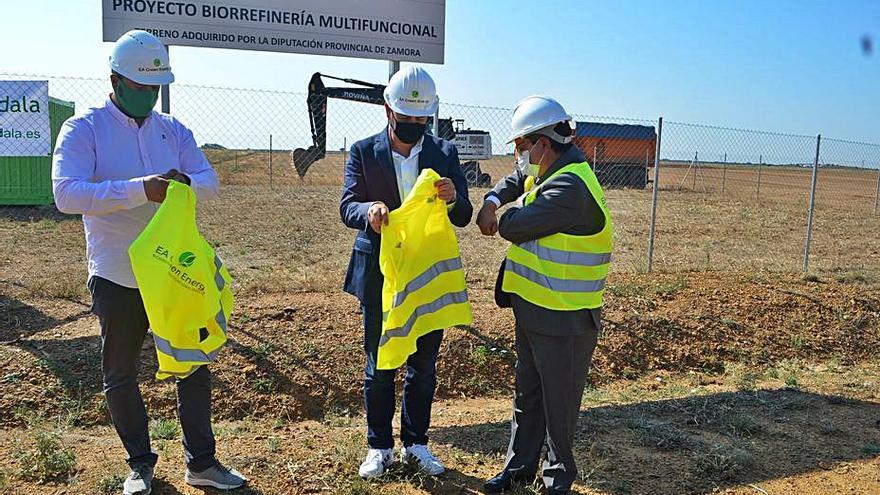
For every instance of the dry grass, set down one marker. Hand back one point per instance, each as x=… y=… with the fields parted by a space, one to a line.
x=700 y=229
x=723 y=213
x=290 y=237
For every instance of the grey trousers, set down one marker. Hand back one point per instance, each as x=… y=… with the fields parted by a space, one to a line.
x=123 y=328
x=551 y=372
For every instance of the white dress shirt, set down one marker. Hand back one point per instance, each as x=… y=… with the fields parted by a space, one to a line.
x=406 y=168
x=101 y=158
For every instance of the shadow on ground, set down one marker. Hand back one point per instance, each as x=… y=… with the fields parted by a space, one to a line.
x=20 y=320
x=160 y=487
x=698 y=444
x=29 y=214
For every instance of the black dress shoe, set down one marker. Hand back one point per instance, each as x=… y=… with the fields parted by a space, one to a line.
x=500 y=483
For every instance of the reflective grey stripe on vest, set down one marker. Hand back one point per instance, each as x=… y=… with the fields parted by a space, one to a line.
x=565 y=257
x=218 y=277
x=431 y=307
x=220 y=317
x=183 y=355
x=195 y=355
x=552 y=283
x=426 y=277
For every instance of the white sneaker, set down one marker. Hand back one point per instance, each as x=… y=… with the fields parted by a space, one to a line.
x=422 y=455
x=377 y=461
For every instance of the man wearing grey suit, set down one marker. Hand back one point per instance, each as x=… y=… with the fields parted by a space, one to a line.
x=553 y=278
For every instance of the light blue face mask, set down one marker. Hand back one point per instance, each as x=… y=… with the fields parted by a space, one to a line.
x=524 y=163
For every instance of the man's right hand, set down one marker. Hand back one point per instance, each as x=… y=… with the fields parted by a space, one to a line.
x=487 y=218
x=155 y=187
x=377 y=216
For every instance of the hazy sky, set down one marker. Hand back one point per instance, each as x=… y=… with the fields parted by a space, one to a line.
x=789 y=66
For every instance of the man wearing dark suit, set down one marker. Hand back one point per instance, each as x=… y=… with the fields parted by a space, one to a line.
x=554 y=341
x=380 y=172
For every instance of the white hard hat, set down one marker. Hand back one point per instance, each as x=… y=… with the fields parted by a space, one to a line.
x=539 y=113
x=411 y=92
x=140 y=57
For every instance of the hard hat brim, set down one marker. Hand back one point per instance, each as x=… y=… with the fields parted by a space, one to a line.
x=154 y=80
x=409 y=112
x=159 y=79
x=535 y=128
x=525 y=132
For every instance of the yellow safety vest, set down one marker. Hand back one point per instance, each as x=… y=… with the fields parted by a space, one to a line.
x=424 y=287
x=562 y=272
x=184 y=286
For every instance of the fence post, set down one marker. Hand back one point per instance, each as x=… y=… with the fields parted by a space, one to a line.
x=812 y=206
x=696 y=164
x=654 y=196
x=877 y=192
x=270 y=162
x=760 y=167
x=165 y=90
x=723 y=173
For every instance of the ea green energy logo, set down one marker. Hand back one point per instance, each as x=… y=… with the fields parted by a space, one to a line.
x=186 y=259
x=415 y=94
x=157 y=62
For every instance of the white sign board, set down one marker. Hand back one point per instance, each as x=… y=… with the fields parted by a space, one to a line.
x=406 y=30
x=24 y=118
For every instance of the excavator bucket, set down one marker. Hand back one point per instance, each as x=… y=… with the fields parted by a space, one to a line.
x=304 y=158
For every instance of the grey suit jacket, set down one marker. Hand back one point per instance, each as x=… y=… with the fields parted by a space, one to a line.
x=563 y=205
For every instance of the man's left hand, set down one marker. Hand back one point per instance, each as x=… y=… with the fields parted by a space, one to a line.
x=445 y=190
x=176 y=175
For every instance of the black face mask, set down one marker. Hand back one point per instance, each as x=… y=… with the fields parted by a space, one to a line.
x=409 y=132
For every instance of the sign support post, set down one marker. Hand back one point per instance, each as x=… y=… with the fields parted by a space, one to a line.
x=165 y=91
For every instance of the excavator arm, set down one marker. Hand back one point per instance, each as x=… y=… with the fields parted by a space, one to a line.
x=317 y=103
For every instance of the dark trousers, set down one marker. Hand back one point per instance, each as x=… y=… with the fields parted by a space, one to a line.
x=418 y=389
x=551 y=372
x=123 y=328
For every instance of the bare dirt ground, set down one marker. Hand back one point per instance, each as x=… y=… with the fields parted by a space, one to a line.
x=791 y=429
x=721 y=373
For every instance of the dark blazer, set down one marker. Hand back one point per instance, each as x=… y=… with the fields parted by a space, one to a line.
x=370 y=177
x=563 y=205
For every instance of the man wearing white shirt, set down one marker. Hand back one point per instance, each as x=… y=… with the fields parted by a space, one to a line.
x=112 y=165
x=379 y=174
x=406 y=168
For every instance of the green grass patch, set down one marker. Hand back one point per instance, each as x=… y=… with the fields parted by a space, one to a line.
x=661 y=436
x=263 y=384
x=670 y=288
x=872 y=450
x=723 y=461
x=112 y=483
x=164 y=429
x=44 y=457
x=741 y=425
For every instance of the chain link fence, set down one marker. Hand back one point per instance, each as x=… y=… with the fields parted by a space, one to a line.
x=683 y=196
